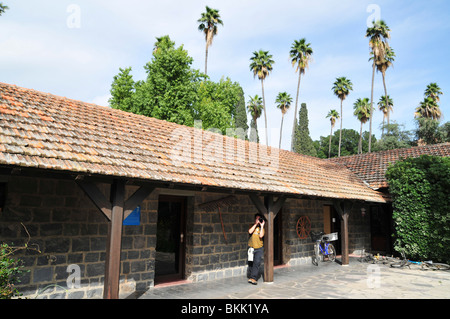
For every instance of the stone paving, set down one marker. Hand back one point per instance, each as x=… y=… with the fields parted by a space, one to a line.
x=329 y=280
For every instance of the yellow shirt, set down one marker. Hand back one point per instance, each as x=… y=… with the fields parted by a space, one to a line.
x=254 y=241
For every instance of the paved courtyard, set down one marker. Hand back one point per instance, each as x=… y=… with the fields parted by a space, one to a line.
x=329 y=280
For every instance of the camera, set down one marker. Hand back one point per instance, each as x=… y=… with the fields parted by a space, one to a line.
x=261 y=220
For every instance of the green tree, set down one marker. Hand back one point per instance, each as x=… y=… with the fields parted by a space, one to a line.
x=333 y=115
x=341 y=88
x=216 y=104
x=208 y=25
x=3 y=8
x=283 y=101
x=171 y=85
x=378 y=35
x=362 y=111
x=175 y=92
x=261 y=65
x=122 y=90
x=170 y=90
x=301 y=55
x=396 y=137
x=349 y=145
x=255 y=108
x=303 y=143
x=163 y=42
x=429 y=132
x=444 y=131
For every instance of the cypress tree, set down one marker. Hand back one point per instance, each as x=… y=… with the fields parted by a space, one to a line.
x=241 y=114
x=303 y=144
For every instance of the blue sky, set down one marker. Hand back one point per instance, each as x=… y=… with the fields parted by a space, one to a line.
x=74 y=48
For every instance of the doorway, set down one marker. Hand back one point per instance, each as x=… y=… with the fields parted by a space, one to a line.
x=278 y=239
x=380 y=229
x=170 y=239
x=332 y=224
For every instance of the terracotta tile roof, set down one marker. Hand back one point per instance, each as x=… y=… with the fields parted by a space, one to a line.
x=44 y=131
x=371 y=167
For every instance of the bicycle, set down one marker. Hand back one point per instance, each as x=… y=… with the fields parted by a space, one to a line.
x=425 y=265
x=322 y=246
x=378 y=259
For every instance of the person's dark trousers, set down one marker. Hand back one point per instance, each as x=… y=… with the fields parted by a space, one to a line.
x=257 y=258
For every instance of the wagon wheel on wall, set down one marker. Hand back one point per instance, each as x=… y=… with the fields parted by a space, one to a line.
x=303 y=227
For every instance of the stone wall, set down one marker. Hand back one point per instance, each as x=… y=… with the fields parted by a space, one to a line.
x=212 y=255
x=69 y=230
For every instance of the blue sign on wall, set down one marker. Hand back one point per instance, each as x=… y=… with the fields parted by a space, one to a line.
x=134 y=219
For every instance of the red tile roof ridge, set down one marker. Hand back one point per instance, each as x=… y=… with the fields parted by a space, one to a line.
x=407 y=149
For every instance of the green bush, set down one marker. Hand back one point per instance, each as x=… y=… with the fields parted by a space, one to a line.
x=420 y=189
x=10 y=269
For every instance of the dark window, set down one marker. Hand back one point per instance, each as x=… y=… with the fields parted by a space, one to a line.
x=2 y=195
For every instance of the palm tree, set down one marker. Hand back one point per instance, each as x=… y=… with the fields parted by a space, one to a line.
x=341 y=88
x=333 y=115
x=283 y=101
x=300 y=54
x=385 y=108
x=378 y=34
x=382 y=65
x=261 y=65
x=362 y=111
x=208 y=24
x=433 y=91
x=3 y=8
x=428 y=109
x=254 y=107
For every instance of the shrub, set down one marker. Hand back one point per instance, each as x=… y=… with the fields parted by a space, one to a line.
x=10 y=269
x=420 y=189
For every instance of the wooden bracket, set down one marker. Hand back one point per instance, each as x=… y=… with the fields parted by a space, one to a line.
x=263 y=209
x=105 y=206
x=97 y=197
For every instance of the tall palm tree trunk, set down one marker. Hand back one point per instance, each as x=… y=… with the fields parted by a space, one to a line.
x=360 y=140
x=281 y=130
x=255 y=137
x=265 y=115
x=387 y=100
x=329 y=144
x=206 y=60
x=340 y=132
x=295 y=112
x=371 y=110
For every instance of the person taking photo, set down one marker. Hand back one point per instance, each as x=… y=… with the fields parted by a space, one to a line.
x=256 y=242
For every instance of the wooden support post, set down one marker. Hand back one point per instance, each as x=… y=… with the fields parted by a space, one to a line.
x=344 y=230
x=114 y=242
x=269 y=209
x=343 y=212
x=268 y=240
x=115 y=210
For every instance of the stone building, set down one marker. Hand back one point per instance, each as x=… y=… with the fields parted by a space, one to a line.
x=108 y=201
